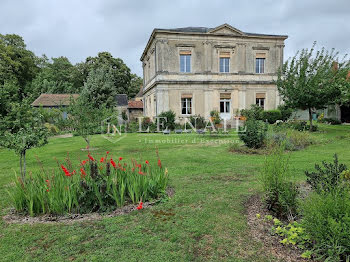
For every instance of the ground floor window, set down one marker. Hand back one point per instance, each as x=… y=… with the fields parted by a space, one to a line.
x=225 y=105
x=186 y=105
x=260 y=100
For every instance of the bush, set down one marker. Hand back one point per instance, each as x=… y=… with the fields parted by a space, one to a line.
x=253 y=133
x=255 y=112
x=286 y=112
x=53 y=130
x=215 y=117
x=280 y=194
x=271 y=116
x=292 y=140
x=91 y=186
x=331 y=121
x=326 y=219
x=301 y=126
x=327 y=178
x=169 y=123
x=198 y=121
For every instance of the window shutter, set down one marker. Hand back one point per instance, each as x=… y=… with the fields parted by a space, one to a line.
x=225 y=54
x=225 y=96
x=185 y=52
x=260 y=95
x=260 y=55
x=186 y=95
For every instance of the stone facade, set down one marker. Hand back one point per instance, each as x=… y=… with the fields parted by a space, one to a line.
x=205 y=85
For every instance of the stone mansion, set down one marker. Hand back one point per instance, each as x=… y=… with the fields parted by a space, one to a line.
x=195 y=70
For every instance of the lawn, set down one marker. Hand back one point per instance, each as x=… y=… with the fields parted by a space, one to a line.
x=204 y=221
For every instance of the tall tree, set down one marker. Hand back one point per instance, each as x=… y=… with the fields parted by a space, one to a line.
x=311 y=80
x=135 y=85
x=57 y=77
x=18 y=67
x=99 y=87
x=121 y=76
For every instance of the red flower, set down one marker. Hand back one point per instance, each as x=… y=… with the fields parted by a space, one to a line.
x=159 y=163
x=124 y=169
x=73 y=173
x=140 y=206
x=47 y=190
x=113 y=163
x=141 y=173
x=102 y=160
x=82 y=171
x=147 y=162
x=120 y=158
x=83 y=163
x=107 y=152
x=133 y=169
x=66 y=172
x=90 y=157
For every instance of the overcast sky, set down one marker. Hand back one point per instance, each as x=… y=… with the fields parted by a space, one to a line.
x=80 y=28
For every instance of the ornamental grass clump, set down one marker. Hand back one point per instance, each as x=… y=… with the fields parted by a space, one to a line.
x=95 y=185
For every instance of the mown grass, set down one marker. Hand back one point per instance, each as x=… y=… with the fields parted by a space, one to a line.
x=204 y=221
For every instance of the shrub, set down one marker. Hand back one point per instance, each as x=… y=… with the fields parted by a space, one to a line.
x=326 y=219
x=292 y=140
x=255 y=112
x=286 y=112
x=280 y=194
x=169 y=123
x=331 y=121
x=53 y=130
x=327 y=178
x=253 y=133
x=198 y=121
x=271 y=116
x=215 y=117
x=301 y=125
x=92 y=186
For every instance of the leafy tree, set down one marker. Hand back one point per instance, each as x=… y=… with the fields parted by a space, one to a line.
x=86 y=118
x=18 y=66
x=311 y=80
x=99 y=87
x=57 y=77
x=135 y=85
x=121 y=76
x=23 y=129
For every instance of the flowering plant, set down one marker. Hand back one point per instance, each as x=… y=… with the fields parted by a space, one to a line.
x=94 y=185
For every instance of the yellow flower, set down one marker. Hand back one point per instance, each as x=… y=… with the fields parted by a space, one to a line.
x=258 y=216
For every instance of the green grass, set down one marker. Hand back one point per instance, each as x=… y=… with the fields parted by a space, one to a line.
x=204 y=221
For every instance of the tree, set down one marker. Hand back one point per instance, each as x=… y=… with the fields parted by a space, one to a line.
x=99 y=87
x=18 y=67
x=311 y=80
x=57 y=77
x=120 y=72
x=86 y=118
x=24 y=130
x=135 y=85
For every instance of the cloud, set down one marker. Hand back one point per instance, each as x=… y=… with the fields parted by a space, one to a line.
x=81 y=28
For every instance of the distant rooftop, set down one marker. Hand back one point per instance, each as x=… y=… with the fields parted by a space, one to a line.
x=121 y=99
x=135 y=104
x=54 y=100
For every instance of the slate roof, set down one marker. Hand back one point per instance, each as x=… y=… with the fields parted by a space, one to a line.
x=121 y=99
x=135 y=104
x=54 y=99
x=192 y=29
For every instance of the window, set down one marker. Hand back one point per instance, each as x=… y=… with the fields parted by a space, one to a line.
x=260 y=63
x=185 y=61
x=260 y=100
x=224 y=62
x=224 y=65
x=259 y=66
x=225 y=102
x=186 y=104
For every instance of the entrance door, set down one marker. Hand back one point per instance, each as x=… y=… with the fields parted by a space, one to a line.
x=225 y=105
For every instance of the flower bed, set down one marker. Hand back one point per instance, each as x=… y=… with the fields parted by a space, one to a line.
x=92 y=186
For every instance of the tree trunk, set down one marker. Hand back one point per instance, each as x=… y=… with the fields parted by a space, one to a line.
x=88 y=142
x=20 y=165
x=310 y=118
x=24 y=164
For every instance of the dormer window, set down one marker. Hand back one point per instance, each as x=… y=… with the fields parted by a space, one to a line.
x=185 y=61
